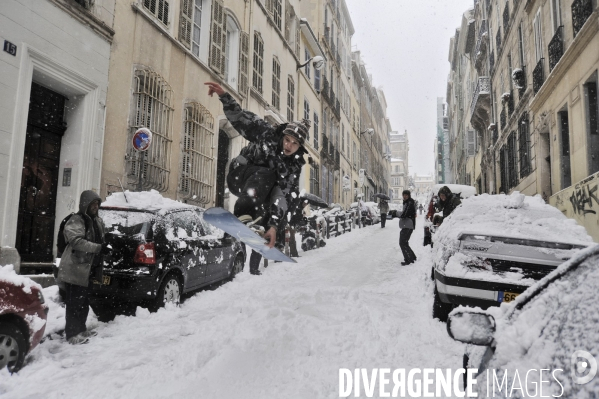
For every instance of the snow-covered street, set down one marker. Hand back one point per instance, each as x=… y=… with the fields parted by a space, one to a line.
x=284 y=334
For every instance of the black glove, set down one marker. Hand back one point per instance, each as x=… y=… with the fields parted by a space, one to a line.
x=105 y=249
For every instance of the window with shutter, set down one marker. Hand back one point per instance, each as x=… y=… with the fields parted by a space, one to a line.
x=276 y=83
x=244 y=55
x=185 y=22
x=290 y=98
x=258 y=64
x=471 y=143
x=158 y=8
x=297 y=38
x=218 y=38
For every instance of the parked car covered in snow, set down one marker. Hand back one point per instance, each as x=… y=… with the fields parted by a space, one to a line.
x=493 y=247
x=552 y=326
x=373 y=211
x=160 y=249
x=23 y=315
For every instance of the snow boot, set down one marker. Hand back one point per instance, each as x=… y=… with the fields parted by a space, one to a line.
x=78 y=339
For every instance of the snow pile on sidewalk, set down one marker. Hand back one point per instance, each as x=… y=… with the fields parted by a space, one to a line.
x=8 y=274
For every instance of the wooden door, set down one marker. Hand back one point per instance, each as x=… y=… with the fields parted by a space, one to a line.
x=39 y=182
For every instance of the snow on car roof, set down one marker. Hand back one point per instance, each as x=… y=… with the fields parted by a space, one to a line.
x=515 y=215
x=8 y=274
x=147 y=200
x=465 y=191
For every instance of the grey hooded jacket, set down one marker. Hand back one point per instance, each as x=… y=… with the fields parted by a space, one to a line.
x=78 y=256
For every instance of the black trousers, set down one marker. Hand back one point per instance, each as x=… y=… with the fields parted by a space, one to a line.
x=255 y=259
x=77 y=309
x=404 y=238
x=253 y=184
x=383 y=219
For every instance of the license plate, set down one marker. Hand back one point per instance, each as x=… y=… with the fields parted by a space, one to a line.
x=506 y=296
x=105 y=280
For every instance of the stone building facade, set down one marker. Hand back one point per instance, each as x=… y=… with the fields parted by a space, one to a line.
x=533 y=100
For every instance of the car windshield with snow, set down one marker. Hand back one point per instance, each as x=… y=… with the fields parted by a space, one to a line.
x=493 y=247
x=542 y=340
x=159 y=252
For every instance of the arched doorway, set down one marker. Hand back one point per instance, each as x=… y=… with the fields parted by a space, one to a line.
x=221 y=167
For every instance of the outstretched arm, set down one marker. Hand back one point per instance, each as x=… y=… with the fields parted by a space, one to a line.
x=248 y=124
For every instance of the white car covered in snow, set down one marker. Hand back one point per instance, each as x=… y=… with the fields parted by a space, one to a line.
x=544 y=343
x=493 y=247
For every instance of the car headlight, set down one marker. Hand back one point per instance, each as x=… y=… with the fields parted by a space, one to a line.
x=40 y=296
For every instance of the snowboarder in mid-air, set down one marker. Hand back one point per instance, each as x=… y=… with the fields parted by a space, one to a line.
x=265 y=176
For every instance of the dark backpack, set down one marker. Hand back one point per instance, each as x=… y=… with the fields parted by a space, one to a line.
x=61 y=242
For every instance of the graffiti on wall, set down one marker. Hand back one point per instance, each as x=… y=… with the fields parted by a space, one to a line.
x=585 y=196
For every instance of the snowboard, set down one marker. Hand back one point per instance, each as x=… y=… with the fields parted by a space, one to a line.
x=228 y=222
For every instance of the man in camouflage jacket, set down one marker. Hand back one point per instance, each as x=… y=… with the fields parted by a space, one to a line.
x=266 y=173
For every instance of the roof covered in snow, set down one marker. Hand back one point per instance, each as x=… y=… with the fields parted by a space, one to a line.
x=148 y=200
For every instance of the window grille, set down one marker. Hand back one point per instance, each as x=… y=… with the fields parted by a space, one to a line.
x=153 y=109
x=276 y=83
x=258 y=62
x=158 y=8
x=290 y=98
x=197 y=161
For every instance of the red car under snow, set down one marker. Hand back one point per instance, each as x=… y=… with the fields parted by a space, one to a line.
x=22 y=318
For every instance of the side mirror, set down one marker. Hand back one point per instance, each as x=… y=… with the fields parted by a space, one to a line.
x=471 y=327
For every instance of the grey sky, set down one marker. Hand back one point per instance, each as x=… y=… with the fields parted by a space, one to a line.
x=405 y=45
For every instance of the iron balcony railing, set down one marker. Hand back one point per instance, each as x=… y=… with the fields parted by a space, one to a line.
x=581 y=11
x=538 y=77
x=325 y=146
x=521 y=81
x=506 y=18
x=556 y=48
x=337 y=109
x=491 y=61
x=483 y=87
x=498 y=40
x=337 y=159
x=332 y=98
x=510 y=103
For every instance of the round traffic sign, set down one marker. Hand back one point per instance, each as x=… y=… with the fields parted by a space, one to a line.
x=142 y=139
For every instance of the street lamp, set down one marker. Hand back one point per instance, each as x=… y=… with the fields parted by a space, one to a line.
x=369 y=131
x=318 y=63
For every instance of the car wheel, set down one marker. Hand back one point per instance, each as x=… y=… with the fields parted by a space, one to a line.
x=170 y=291
x=237 y=267
x=13 y=347
x=441 y=309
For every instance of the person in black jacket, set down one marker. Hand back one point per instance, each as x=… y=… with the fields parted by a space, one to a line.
x=447 y=203
x=408 y=214
x=265 y=176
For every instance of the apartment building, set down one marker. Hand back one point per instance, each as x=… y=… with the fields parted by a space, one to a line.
x=166 y=51
x=441 y=145
x=534 y=104
x=399 y=170
x=54 y=84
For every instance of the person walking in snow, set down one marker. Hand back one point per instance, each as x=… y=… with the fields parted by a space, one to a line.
x=447 y=203
x=384 y=208
x=81 y=261
x=407 y=223
x=265 y=176
x=420 y=208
